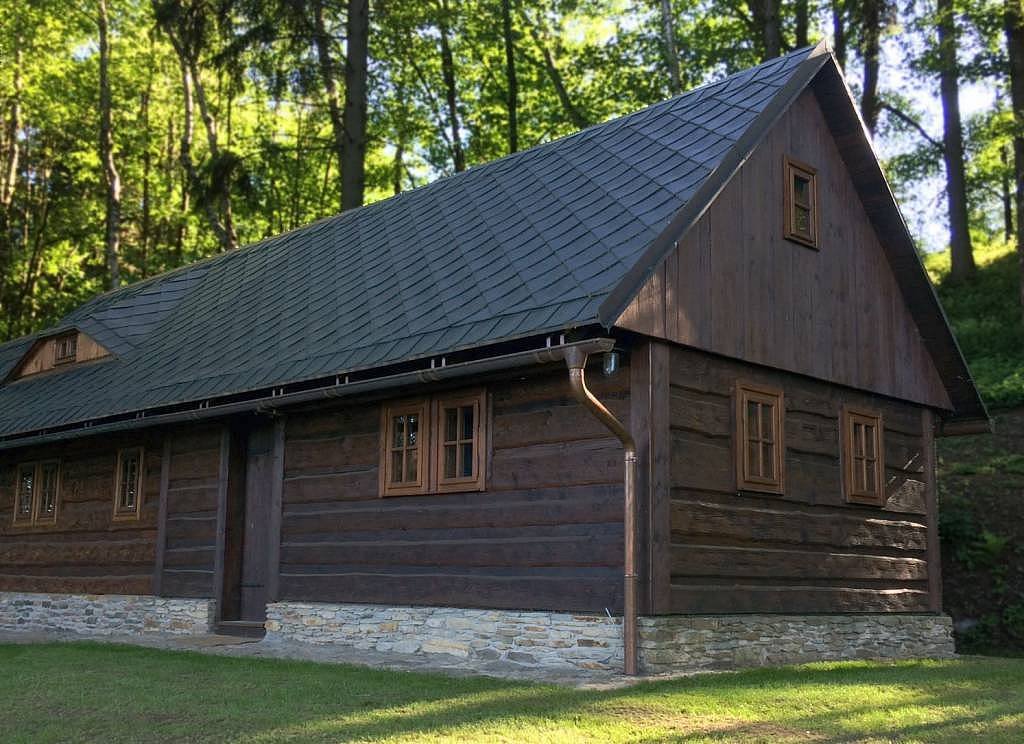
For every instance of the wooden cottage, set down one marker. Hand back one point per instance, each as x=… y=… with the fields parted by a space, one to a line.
x=403 y=427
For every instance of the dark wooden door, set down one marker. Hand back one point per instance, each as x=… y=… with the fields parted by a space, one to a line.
x=256 y=538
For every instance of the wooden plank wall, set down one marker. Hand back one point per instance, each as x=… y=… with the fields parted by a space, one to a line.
x=547 y=533
x=807 y=550
x=86 y=551
x=193 y=480
x=734 y=286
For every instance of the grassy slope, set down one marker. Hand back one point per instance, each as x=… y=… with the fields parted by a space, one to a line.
x=981 y=478
x=92 y=692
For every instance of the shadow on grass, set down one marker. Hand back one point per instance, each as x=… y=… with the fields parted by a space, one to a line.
x=86 y=691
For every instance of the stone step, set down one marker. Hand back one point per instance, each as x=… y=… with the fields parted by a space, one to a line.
x=246 y=628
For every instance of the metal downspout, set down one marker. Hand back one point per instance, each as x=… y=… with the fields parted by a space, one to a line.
x=576 y=360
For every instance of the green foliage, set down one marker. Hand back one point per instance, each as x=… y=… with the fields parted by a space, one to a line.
x=986 y=318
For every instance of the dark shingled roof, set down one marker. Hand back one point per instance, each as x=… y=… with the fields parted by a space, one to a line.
x=530 y=244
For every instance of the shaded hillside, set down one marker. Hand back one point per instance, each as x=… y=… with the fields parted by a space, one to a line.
x=981 y=478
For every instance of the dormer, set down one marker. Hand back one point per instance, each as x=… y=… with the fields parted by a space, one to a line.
x=68 y=348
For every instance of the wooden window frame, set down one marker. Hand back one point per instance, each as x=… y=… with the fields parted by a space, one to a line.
x=122 y=515
x=746 y=481
x=421 y=407
x=58 y=358
x=476 y=481
x=34 y=518
x=792 y=169
x=849 y=418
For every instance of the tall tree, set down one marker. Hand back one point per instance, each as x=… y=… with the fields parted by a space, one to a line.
x=871 y=15
x=767 y=19
x=839 y=31
x=1013 y=19
x=328 y=76
x=444 y=19
x=668 y=35
x=353 y=161
x=112 y=240
x=511 y=81
x=961 y=252
x=802 y=13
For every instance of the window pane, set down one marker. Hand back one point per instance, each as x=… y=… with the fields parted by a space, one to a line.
x=411 y=462
x=801 y=190
x=451 y=424
x=48 y=494
x=413 y=429
x=768 y=461
x=869 y=441
x=869 y=478
x=398 y=432
x=754 y=459
x=26 y=484
x=397 y=457
x=129 y=481
x=451 y=468
x=467 y=422
x=802 y=220
x=767 y=423
x=752 y=427
x=466 y=460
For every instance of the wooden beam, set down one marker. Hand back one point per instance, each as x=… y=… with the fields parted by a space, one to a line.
x=932 y=508
x=274 y=526
x=222 y=505
x=161 y=519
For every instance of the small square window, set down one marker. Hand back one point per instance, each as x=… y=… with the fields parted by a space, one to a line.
x=406 y=439
x=65 y=348
x=128 y=489
x=863 y=457
x=801 y=203
x=38 y=493
x=760 y=449
x=459 y=442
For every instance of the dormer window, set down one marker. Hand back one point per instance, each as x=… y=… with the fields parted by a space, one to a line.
x=65 y=348
x=801 y=204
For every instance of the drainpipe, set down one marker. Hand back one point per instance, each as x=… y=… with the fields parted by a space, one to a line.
x=576 y=360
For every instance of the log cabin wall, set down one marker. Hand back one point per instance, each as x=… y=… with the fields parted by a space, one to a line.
x=188 y=561
x=546 y=533
x=86 y=551
x=807 y=550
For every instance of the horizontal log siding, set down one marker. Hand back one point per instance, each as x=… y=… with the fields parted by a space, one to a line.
x=546 y=534
x=806 y=550
x=191 y=533
x=86 y=551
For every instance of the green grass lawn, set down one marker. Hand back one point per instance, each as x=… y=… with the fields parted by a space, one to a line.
x=95 y=692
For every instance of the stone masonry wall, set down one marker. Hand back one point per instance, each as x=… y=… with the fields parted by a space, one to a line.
x=667 y=643
x=104 y=614
x=546 y=639
x=693 y=642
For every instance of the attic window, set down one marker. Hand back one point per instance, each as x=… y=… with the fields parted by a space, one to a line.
x=801 y=203
x=760 y=449
x=65 y=348
x=863 y=457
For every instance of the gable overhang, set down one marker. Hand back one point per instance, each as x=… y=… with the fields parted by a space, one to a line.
x=821 y=73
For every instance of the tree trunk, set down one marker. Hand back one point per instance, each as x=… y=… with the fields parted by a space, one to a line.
x=575 y=115
x=870 y=46
x=512 y=96
x=112 y=242
x=766 y=18
x=451 y=93
x=668 y=33
x=325 y=61
x=801 y=22
x=1014 y=24
x=353 y=167
x=961 y=254
x=1006 y=194
x=839 y=31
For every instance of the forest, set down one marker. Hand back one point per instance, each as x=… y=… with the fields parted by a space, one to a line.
x=140 y=135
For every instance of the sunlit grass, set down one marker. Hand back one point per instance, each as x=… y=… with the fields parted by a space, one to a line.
x=93 y=692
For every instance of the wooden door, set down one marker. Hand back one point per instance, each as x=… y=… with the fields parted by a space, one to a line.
x=256 y=537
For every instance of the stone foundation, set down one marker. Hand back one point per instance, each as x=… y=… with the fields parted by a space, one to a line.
x=543 y=639
x=674 y=643
x=104 y=614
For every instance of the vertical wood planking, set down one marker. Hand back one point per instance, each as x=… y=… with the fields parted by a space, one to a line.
x=932 y=506
x=274 y=528
x=640 y=428
x=161 y=520
x=660 y=513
